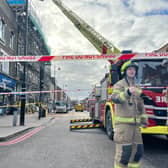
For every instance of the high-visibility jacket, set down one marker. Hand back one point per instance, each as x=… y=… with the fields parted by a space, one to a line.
x=129 y=108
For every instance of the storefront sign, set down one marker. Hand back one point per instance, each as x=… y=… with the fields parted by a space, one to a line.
x=16 y=2
x=7 y=82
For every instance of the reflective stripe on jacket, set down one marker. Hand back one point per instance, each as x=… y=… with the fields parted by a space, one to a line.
x=124 y=111
x=127 y=120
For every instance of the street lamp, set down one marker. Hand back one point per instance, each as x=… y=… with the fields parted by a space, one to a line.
x=23 y=96
x=42 y=65
x=55 y=83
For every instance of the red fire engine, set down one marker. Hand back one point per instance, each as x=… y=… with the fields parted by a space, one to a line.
x=152 y=78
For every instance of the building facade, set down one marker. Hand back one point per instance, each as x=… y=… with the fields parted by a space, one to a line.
x=12 y=42
x=8 y=46
x=163 y=48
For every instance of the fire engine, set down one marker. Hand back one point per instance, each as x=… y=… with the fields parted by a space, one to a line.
x=151 y=77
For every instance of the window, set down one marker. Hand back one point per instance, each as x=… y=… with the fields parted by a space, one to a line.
x=4 y=66
x=11 y=42
x=2 y=30
x=152 y=73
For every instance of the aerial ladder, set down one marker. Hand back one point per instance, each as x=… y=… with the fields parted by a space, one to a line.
x=103 y=45
x=157 y=112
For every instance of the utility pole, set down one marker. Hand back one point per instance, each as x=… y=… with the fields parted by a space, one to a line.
x=55 y=87
x=23 y=96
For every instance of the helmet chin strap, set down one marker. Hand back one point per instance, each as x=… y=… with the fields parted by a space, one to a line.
x=130 y=80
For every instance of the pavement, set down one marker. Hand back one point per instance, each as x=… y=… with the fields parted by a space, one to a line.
x=7 y=130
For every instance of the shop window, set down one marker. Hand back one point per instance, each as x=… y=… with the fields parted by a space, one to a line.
x=2 y=30
x=11 y=42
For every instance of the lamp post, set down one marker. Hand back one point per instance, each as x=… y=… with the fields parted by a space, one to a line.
x=23 y=96
x=55 y=86
x=41 y=88
x=55 y=83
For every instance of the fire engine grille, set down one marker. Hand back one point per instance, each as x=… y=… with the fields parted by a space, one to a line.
x=160 y=113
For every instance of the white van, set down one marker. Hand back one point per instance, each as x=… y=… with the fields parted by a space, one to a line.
x=60 y=106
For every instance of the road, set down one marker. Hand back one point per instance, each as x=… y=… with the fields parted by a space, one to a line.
x=57 y=147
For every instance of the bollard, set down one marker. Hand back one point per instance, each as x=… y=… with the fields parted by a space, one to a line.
x=15 y=118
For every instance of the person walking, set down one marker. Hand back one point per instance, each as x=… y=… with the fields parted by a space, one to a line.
x=129 y=115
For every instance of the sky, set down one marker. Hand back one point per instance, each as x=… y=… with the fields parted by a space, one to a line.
x=139 y=25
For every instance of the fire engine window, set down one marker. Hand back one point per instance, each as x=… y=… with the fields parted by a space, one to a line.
x=152 y=73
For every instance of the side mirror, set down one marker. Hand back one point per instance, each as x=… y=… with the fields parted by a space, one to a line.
x=97 y=92
x=165 y=62
x=113 y=74
x=110 y=90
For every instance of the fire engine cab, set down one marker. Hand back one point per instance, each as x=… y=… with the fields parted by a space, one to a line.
x=152 y=77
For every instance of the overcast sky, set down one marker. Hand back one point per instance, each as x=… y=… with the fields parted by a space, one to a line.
x=140 y=25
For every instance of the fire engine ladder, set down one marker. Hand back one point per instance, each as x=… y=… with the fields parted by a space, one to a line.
x=97 y=40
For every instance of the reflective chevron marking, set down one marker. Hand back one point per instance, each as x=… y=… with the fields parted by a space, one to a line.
x=80 y=120
x=86 y=126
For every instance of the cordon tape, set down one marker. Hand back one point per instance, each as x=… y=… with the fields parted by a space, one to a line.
x=113 y=57
x=71 y=90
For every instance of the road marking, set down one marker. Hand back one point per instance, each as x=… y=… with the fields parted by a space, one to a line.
x=23 y=137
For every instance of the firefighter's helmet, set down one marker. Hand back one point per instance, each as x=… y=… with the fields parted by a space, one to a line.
x=128 y=64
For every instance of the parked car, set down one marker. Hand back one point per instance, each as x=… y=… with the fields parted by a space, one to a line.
x=60 y=106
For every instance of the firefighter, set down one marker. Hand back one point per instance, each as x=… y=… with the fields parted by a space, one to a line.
x=128 y=117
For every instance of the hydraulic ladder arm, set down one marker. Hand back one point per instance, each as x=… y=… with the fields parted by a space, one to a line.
x=97 y=40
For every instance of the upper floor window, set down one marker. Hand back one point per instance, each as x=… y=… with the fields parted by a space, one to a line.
x=2 y=30
x=11 y=42
x=4 y=66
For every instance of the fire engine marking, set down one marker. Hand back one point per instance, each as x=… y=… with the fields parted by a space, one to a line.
x=161 y=99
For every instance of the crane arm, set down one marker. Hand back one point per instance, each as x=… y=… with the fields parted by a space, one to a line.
x=97 y=40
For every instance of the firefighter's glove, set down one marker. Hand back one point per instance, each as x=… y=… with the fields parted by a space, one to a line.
x=134 y=90
x=144 y=120
x=128 y=92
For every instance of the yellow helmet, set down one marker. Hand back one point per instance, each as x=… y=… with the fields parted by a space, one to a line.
x=128 y=64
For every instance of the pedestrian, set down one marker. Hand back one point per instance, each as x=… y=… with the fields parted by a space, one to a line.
x=129 y=114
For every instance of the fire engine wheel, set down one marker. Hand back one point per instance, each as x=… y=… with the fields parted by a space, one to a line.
x=109 y=129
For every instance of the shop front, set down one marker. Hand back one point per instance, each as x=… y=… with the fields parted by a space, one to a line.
x=7 y=84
